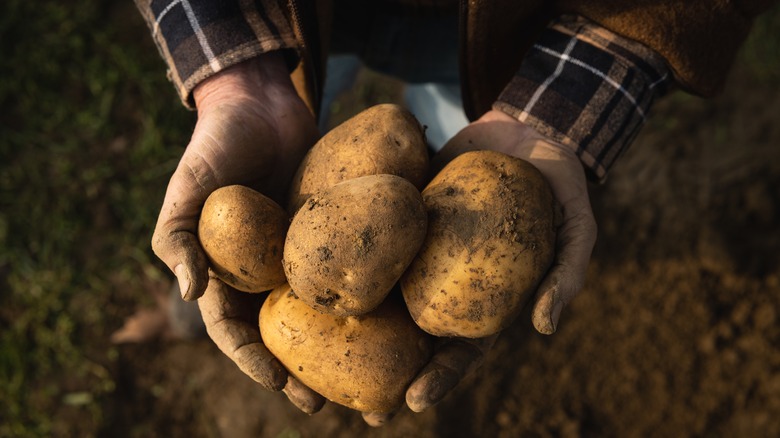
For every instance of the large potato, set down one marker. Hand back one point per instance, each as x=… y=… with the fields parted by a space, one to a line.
x=491 y=239
x=383 y=139
x=349 y=244
x=362 y=362
x=242 y=232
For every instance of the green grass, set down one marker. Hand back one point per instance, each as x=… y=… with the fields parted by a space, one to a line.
x=90 y=131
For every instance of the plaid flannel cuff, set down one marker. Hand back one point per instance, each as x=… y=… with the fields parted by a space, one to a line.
x=586 y=88
x=198 y=38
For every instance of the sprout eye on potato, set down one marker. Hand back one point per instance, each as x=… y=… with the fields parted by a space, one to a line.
x=348 y=245
x=365 y=363
x=242 y=233
x=491 y=239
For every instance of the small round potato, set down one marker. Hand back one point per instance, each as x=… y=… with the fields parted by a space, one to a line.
x=348 y=245
x=491 y=239
x=242 y=232
x=363 y=362
x=383 y=139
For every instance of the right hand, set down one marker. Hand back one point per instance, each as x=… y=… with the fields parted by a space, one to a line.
x=253 y=129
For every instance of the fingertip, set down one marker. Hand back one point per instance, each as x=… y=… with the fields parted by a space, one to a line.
x=377 y=419
x=542 y=315
x=303 y=397
x=184 y=281
x=258 y=363
x=430 y=388
x=544 y=325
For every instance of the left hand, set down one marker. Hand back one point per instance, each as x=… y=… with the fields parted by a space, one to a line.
x=455 y=358
x=563 y=170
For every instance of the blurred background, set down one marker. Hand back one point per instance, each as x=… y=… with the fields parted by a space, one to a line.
x=676 y=333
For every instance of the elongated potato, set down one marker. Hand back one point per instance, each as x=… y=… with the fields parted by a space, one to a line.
x=242 y=232
x=349 y=244
x=362 y=362
x=491 y=239
x=383 y=139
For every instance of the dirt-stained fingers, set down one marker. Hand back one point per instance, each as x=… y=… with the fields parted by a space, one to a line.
x=454 y=359
x=303 y=397
x=230 y=317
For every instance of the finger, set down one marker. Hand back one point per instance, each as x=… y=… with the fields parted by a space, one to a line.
x=230 y=317
x=377 y=419
x=303 y=397
x=566 y=278
x=175 y=239
x=453 y=360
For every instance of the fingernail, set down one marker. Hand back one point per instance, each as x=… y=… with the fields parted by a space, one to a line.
x=184 y=280
x=556 y=314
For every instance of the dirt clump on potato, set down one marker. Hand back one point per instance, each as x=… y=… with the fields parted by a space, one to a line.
x=383 y=139
x=242 y=233
x=365 y=363
x=349 y=244
x=491 y=239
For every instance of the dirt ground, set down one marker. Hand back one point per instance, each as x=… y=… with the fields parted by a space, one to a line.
x=675 y=334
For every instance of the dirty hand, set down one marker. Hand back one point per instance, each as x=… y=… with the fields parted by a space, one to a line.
x=453 y=360
x=456 y=358
x=577 y=231
x=252 y=129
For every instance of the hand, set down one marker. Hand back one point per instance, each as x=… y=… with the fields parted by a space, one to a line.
x=231 y=319
x=252 y=129
x=453 y=359
x=456 y=358
x=576 y=234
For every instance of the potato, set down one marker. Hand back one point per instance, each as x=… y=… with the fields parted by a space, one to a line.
x=349 y=244
x=242 y=232
x=383 y=139
x=363 y=362
x=491 y=239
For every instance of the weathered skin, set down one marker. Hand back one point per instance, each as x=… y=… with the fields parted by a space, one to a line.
x=491 y=239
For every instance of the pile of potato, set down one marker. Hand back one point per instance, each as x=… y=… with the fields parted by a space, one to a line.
x=370 y=261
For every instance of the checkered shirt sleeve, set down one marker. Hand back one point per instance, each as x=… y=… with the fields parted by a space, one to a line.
x=587 y=89
x=198 y=38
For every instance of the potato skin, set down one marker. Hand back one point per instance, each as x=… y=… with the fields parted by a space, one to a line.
x=491 y=239
x=242 y=233
x=363 y=362
x=349 y=244
x=383 y=139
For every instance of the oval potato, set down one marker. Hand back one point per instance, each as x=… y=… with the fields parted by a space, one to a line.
x=365 y=363
x=242 y=233
x=383 y=139
x=491 y=239
x=349 y=244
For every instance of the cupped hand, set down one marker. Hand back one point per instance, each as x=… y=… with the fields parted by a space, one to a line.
x=564 y=172
x=455 y=358
x=252 y=129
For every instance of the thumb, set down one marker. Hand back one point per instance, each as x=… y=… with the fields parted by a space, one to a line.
x=566 y=278
x=175 y=239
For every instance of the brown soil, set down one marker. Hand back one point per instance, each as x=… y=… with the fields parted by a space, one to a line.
x=675 y=333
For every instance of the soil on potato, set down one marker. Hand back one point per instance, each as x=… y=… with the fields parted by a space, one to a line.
x=675 y=334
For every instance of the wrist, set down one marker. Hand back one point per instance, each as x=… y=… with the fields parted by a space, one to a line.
x=513 y=137
x=256 y=81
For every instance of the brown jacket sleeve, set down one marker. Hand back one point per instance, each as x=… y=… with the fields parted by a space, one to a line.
x=698 y=39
